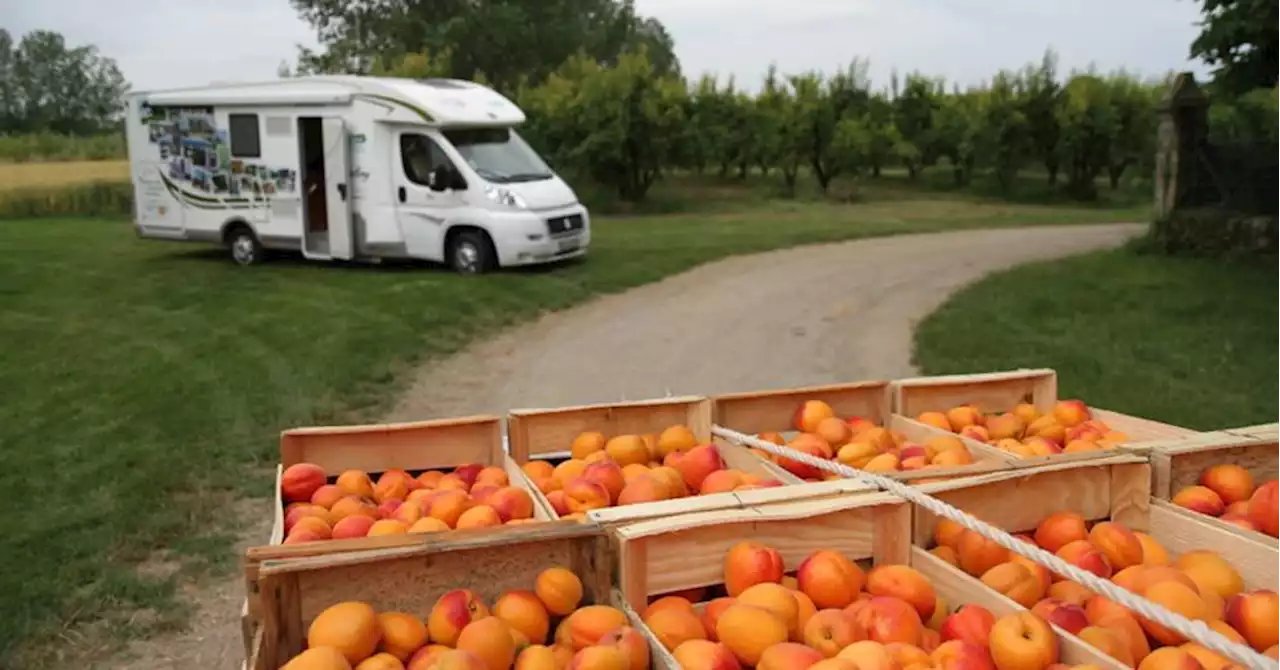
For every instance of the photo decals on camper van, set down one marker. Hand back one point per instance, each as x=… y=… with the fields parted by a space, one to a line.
x=196 y=161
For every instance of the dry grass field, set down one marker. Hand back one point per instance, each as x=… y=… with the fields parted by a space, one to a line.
x=28 y=175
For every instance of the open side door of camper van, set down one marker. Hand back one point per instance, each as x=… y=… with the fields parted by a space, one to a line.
x=337 y=171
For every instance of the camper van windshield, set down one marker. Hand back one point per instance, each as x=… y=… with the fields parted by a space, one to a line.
x=498 y=154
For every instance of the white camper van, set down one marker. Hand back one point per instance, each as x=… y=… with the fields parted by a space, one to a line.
x=350 y=168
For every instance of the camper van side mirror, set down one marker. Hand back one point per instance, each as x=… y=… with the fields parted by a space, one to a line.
x=441 y=178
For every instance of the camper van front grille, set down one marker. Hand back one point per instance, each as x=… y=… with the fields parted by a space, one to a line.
x=565 y=224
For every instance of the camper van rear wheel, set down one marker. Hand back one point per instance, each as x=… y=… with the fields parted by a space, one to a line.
x=244 y=246
x=471 y=252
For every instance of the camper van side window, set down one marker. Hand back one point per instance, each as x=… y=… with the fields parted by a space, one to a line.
x=420 y=155
x=244 y=136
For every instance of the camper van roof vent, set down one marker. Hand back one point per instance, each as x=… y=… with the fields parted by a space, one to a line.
x=445 y=83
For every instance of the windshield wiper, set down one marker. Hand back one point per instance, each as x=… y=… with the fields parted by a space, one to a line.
x=492 y=175
x=529 y=176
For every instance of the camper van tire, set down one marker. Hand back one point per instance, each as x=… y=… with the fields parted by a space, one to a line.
x=471 y=251
x=243 y=245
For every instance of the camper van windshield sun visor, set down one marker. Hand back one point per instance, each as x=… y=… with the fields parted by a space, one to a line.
x=499 y=155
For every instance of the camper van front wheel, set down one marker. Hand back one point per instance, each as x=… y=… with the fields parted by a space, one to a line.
x=244 y=246
x=471 y=252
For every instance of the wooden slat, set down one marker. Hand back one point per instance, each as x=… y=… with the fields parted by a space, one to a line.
x=1139 y=430
x=418 y=445
x=773 y=411
x=990 y=392
x=1179 y=463
x=1181 y=531
x=532 y=432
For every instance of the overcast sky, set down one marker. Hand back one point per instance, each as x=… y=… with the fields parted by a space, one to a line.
x=185 y=42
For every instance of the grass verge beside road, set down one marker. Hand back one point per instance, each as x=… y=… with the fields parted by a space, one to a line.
x=146 y=382
x=1191 y=342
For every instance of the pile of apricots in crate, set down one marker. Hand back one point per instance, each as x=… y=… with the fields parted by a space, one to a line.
x=631 y=469
x=830 y=614
x=397 y=503
x=1070 y=428
x=1227 y=491
x=546 y=628
x=859 y=443
x=1199 y=585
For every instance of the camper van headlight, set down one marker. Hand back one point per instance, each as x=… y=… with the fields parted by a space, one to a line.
x=504 y=197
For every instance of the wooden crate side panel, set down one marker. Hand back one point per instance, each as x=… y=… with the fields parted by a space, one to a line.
x=956 y=587
x=1181 y=468
x=991 y=392
x=1139 y=429
x=1019 y=501
x=535 y=432
x=773 y=411
x=1262 y=431
x=688 y=552
x=1180 y=532
x=409 y=446
x=541 y=508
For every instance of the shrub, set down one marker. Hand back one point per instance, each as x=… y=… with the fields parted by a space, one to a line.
x=1213 y=232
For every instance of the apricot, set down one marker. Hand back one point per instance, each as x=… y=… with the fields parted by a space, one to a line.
x=868 y=655
x=349 y=627
x=1130 y=630
x=969 y=623
x=559 y=590
x=631 y=643
x=587 y=443
x=327 y=496
x=675 y=625
x=830 y=579
x=672 y=480
x=381 y=661
x=829 y=631
x=1005 y=426
x=978 y=554
x=888 y=620
x=705 y=655
x=1121 y=547
x=775 y=598
x=747 y=631
x=448 y=506
x=1071 y=413
x=627 y=450
x=317 y=527
x=1085 y=556
x=586 y=625
x=451 y=613
x=936 y=419
x=947 y=533
x=402 y=634
x=1199 y=499
x=1263 y=508
x=1108 y=642
x=835 y=431
x=809 y=414
x=1178 y=598
x=711 y=614
x=428 y=524
x=1059 y=529
x=1023 y=641
x=318 y=658
x=351 y=505
x=388 y=527
x=535 y=469
x=788 y=655
x=748 y=563
x=1209 y=571
x=1067 y=616
x=806 y=443
x=1043 y=577
x=581 y=495
x=300 y=481
x=1069 y=592
x=904 y=583
x=721 y=481
x=1046 y=427
x=965 y=415
x=1231 y=482
x=524 y=612
x=696 y=464
x=1153 y=553
x=1169 y=658
x=1015 y=581
x=1255 y=614
x=1209 y=660
x=489 y=639
x=946 y=554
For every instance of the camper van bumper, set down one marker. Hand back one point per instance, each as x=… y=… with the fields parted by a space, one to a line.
x=528 y=242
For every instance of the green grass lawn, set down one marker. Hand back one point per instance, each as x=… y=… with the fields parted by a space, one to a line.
x=1191 y=342
x=144 y=383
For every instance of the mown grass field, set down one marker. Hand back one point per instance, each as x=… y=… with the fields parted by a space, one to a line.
x=147 y=381
x=1187 y=341
x=15 y=176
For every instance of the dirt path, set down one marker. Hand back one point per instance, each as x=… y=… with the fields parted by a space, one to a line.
x=809 y=315
x=802 y=316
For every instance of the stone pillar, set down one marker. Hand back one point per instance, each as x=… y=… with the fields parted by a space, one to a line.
x=1181 y=138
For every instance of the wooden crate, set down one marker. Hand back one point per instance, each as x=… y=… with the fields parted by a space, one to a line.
x=1001 y=392
x=1116 y=488
x=547 y=434
x=415 y=446
x=410 y=579
x=773 y=412
x=685 y=552
x=1178 y=463
x=1262 y=431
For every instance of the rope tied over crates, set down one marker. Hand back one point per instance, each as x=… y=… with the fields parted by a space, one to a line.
x=1191 y=629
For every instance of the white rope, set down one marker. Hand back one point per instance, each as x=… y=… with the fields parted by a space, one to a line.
x=1194 y=630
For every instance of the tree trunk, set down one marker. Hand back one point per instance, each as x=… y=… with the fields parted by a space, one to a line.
x=789 y=181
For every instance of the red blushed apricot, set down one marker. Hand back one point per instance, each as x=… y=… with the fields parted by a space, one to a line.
x=749 y=563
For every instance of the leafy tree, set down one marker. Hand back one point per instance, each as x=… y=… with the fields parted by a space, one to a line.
x=1041 y=100
x=1134 y=139
x=620 y=124
x=47 y=86
x=1248 y=119
x=1004 y=138
x=786 y=147
x=1089 y=121
x=1238 y=38
x=957 y=124
x=882 y=133
x=913 y=114
x=506 y=40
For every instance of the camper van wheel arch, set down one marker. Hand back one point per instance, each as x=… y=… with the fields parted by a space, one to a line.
x=470 y=250
x=242 y=244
